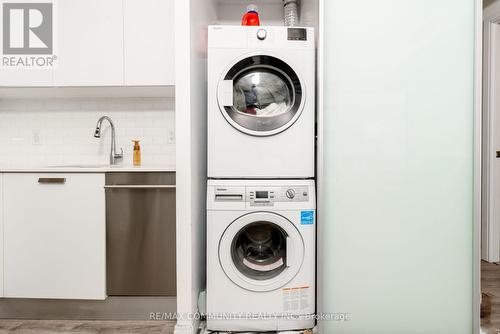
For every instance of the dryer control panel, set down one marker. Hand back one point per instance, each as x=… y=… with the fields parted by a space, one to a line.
x=267 y=196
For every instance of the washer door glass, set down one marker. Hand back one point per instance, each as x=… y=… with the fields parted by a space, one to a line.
x=259 y=250
x=265 y=95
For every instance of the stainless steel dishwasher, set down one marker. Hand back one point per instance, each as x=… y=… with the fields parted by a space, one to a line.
x=140 y=234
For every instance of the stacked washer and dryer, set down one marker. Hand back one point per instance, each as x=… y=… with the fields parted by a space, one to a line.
x=261 y=211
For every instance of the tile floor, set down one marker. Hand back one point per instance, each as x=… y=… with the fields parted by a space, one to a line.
x=85 y=327
x=490 y=284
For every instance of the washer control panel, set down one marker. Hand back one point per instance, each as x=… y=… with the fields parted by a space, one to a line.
x=267 y=196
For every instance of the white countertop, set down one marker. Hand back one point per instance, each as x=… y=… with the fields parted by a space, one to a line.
x=73 y=168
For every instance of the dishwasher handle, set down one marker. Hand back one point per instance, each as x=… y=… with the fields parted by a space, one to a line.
x=140 y=186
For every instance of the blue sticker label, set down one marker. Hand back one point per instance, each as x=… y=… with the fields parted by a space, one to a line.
x=307 y=218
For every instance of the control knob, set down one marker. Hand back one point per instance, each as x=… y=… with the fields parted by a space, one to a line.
x=290 y=193
x=261 y=34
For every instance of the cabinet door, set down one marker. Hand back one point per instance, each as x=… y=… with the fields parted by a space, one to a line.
x=21 y=77
x=29 y=75
x=397 y=218
x=1 y=236
x=149 y=42
x=54 y=236
x=89 y=43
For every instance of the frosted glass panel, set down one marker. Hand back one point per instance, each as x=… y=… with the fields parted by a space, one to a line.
x=398 y=226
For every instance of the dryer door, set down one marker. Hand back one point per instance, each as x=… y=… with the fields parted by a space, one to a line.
x=261 y=95
x=261 y=251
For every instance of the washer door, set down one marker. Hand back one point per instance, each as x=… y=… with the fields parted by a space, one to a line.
x=261 y=95
x=261 y=251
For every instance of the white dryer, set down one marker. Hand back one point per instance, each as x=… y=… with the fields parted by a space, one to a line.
x=260 y=255
x=261 y=102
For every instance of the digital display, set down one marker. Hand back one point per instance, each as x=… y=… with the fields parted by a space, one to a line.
x=297 y=34
x=261 y=194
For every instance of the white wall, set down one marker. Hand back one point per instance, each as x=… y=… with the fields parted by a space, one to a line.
x=65 y=128
x=231 y=12
x=192 y=19
x=397 y=215
x=491 y=130
x=491 y=141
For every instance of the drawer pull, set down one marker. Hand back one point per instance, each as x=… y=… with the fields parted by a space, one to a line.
x=52 y=180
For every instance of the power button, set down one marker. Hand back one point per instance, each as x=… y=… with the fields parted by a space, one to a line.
x=261 y=34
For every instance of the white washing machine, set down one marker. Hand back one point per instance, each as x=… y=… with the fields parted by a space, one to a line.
x=261 y=102
x=260 y=255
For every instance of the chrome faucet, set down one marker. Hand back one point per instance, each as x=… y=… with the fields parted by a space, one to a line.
x=113 y=156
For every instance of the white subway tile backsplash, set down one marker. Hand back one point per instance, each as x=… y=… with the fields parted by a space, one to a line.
x=36 y=132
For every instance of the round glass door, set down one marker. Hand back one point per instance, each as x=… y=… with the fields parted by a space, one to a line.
x=261 y=95
x=261 y=251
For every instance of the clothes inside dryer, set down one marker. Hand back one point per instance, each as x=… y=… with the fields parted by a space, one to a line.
x=259 y=250
x=263 y=93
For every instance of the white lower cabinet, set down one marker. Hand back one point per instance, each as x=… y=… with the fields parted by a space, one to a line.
x=1 y=234
x=54 y=236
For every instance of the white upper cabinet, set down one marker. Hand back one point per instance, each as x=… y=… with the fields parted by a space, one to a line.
x=103 y=43
x=149 y=42
x=21 y=77
x=89 y=39
x=18 y=70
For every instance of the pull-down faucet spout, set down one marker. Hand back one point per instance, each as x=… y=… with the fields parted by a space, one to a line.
x=113 y=156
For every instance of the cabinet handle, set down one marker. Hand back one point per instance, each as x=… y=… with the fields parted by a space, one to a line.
x=52 y=180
